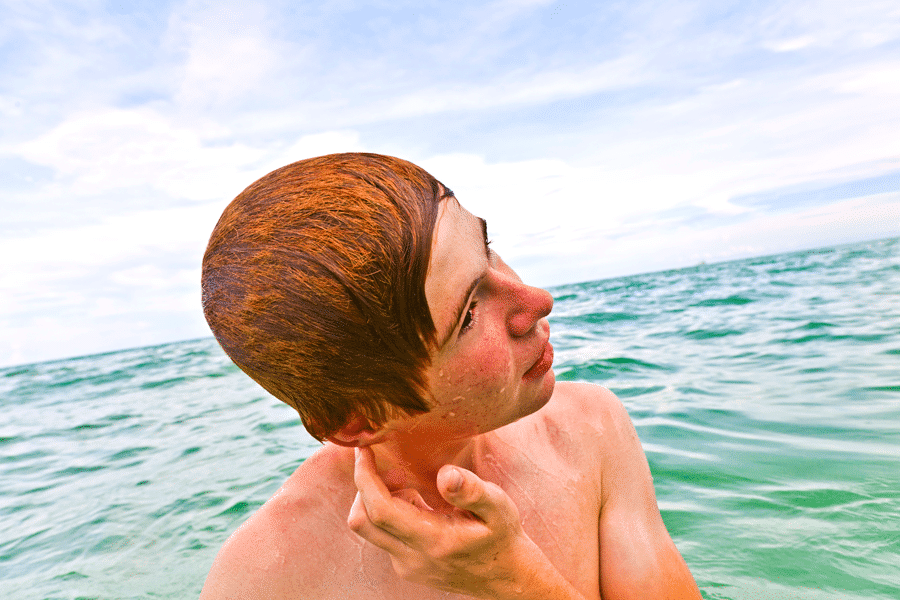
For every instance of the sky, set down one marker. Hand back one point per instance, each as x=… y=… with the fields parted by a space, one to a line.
x=598 y=139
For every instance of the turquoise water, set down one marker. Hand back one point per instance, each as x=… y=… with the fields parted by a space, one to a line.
x=766 y=393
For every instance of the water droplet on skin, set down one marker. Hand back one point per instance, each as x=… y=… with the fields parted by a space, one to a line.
x=452 y=414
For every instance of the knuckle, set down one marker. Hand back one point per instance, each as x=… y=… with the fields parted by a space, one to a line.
x=502 y=502
x=404 y=570
x=356 y=522
x=377 y=517
x=478 y=494
x=493 y=492
x=452 y=551
x=442 y=552
x=399 y=568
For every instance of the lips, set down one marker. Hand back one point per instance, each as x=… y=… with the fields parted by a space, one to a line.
x=543 y=363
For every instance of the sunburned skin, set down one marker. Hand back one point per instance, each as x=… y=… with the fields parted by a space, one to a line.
x=533 y=519
x=556 y=500
x=562 y=523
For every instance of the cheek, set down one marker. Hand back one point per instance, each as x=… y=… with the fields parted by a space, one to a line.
x=487 y=371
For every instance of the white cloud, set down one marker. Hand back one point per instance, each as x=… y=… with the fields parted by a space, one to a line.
x=588 y=136
x=318 y=144
x=830 y=23
x=122 y=160
x=84 y=289
x=531 y=196
x=229 y=52
x=665 y=244
x=107 y=150
x=35 y=260
x=557 y=223
x=520 y=88
x=789 y=45
x=126 y=277
x=10 y=106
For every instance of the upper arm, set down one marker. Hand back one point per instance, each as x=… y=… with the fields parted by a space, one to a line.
x=638 y=559
x=255 y=564
x=238 y=572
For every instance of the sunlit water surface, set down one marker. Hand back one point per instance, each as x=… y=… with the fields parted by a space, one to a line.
x=766 y=393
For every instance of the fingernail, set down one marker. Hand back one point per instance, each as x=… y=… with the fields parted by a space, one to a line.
x=455 y=481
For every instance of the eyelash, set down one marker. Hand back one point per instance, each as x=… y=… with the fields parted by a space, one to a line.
x=469 y=319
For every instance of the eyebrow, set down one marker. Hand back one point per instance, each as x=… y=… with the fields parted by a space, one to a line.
x=465 y=299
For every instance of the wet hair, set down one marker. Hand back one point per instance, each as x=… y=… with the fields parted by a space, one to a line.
x=314 y=285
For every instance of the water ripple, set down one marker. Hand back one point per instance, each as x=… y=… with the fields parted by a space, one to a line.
x=766 y=393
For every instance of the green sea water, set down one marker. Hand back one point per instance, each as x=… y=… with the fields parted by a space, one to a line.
x=766 y=393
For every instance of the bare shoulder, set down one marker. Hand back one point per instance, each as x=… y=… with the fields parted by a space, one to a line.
x=637 y=556
x=599 y=421
x=580 y=430
x=269 y=556
x=575 y=402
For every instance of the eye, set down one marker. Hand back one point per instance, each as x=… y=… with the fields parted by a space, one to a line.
x=469 y=319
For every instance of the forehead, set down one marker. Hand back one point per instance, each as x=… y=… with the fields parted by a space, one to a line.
x=457 y=259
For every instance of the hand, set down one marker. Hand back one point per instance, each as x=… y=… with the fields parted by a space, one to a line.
x=478 y=549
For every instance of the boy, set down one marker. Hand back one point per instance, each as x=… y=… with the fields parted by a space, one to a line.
x=358 y=290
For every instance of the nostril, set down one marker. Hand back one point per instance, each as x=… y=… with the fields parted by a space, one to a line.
x=531 y=304
x=549 y=302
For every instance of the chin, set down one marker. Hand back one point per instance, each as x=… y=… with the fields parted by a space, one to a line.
x=542 y=394
x=547 y=387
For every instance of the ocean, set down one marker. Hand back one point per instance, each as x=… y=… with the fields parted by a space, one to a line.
x=766 y=393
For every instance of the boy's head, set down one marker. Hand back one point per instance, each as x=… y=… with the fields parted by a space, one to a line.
x=314 y=284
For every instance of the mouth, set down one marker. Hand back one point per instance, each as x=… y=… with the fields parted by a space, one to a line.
x=543 y=363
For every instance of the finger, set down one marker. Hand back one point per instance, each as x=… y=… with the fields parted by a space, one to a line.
x=396 y=517
x=365 y=473
x=487 y=501
x=359 y=522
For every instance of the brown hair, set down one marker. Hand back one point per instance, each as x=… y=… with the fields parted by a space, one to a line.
x=314 y=284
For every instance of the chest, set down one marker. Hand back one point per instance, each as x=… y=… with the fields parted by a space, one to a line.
x=556 y=488
x=557 y=495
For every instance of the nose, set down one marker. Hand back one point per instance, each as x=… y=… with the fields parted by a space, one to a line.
x=527 y=306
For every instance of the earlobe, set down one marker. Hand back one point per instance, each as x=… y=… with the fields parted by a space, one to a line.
x=357 y=432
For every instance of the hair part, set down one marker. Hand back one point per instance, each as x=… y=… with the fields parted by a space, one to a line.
x=314 y=285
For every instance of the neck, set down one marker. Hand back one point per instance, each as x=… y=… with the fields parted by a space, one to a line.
x=412 y=460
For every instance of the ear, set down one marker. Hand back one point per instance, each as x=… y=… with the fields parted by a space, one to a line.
x=357 y=432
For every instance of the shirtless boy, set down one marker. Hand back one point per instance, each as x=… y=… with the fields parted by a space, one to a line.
x=358 y=290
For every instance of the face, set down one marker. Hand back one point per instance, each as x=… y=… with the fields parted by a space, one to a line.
x=492 y=364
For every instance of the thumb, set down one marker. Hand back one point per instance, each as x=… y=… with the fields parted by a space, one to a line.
x=465 y=490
